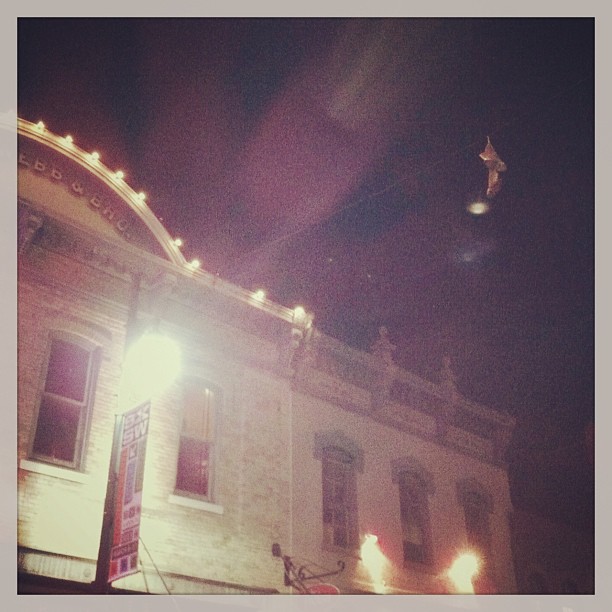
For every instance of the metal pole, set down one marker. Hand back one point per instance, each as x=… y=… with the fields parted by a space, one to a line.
x=100 y=583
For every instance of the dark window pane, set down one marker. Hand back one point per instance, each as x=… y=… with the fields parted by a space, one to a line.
x=192 y=470
x=340 y=537
x=337 y=475
x=414 y=515
x=67 y=370
x=57 y=429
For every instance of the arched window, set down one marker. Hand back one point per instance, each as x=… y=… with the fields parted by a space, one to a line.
x=414 y=514
x=339 y=498
x=341 y=459
x=477 y=506
x=415 y=484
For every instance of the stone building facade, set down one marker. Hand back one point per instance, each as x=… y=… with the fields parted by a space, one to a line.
x=273 y=432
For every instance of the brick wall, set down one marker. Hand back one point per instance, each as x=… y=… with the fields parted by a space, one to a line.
x=228 y=541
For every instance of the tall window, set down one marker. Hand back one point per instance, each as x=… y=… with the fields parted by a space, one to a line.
x=195 y=456
x=477 y=522
x=67 y=396
x=477 y=506
x=339 y=503
x=415 y=517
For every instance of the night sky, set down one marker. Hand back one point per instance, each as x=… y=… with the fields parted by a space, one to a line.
x=330 y=162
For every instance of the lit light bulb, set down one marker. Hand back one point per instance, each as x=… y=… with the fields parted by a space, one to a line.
x=68 y=140
x=95 y=156
x=119 y=175
x=142 y=196
x=194 y=264
x=259 y=295
x=40 y=125
x=178 y=242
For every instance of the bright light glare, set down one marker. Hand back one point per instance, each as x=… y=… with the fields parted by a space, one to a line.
x=151 y=365
x=299 y=315
x=374 y=561
x=478 y=208
x=462 y=572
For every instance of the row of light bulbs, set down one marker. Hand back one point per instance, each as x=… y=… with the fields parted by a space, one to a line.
x=94 y=158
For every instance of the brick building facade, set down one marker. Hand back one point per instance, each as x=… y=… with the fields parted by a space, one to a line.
x=273 y=433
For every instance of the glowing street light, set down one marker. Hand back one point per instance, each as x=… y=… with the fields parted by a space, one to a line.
x=375 y=561
x=463 y=571
x=151 y=364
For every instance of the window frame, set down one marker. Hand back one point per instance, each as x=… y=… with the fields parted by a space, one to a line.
x=477 y=506
x=85 y=406
x=336 y=460
x=414 y=500
x=216 y=404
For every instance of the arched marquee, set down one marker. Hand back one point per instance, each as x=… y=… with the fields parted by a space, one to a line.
x=56 y=177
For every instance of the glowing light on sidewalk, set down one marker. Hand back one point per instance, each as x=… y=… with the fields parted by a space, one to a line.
x=374 y=561
x=462 y=572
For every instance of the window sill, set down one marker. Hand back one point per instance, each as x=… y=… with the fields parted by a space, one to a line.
x=53 y=470
x=198 y=504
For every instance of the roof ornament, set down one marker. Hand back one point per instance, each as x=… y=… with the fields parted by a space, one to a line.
x=382 y=351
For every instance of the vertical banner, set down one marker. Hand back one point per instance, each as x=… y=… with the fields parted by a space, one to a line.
x=128 y=492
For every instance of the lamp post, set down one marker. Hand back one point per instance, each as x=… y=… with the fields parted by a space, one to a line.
x=150 y=365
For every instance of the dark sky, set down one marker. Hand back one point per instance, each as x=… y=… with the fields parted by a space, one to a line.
x=330 y=161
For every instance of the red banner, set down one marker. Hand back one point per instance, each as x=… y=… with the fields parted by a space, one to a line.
x=128 y=492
